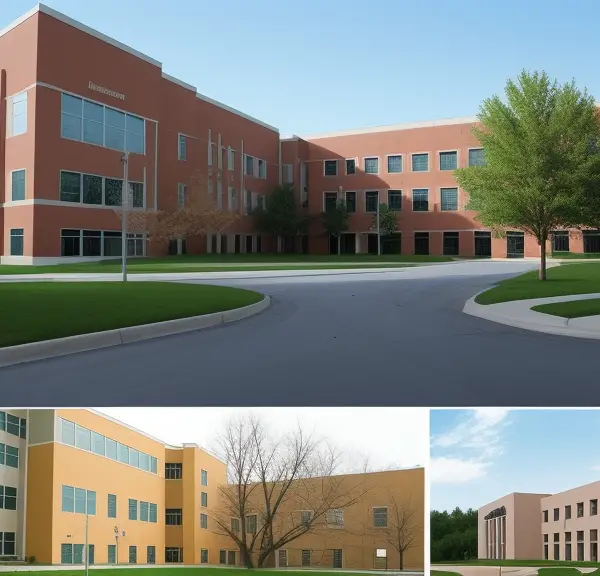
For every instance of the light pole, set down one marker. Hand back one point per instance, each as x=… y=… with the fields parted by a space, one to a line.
x=125 y=206
x=86 y=545
x=378 y=229
x=117 y=534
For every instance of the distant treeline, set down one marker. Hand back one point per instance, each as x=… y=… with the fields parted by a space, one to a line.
x=453 y=535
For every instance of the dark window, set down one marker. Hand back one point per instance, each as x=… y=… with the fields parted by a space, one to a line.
x=329 y=201
x=8 y=543
x=350 y=166
x=173 y=555
x=476 y=157
x=306 y=558
x=568 y=512
x=395 y=164
x=173 y=517
x=203 y=556
x=580 y=510
x=92 y=189
x=204 y=477
x=451 y=243
x=204 y=521
x=231 y=557
x=594 y=507
x=371 y=201
x=133 y=554
x=545 y=516
x=422 y=243
x=8 y=498
x=18 y=185
x=483 y=244
x=70 y=243
x=133 y=506
x=137 y=194
x=420 y=201
x=449 y=198
x=591 y=241
x=337 y=558
x=556 y=515
x=351 y=202
x=222 y=556
x=203 y=499
x=92 y=243
x=330 y=167
x=144 y=511
x=16 y=241
x=235 y=525
x=420 y=162
x=395 y=200
x=112 y=506
x=380 y=517
x=560 y=241
x=70 y=187
x=173 y=471
x=113 y=192
x=251 y=524
x=515 y=244
x=448 y=160
x=150 y=554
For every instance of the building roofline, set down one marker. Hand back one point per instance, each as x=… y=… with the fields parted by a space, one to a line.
x=393 y=128
x=104 y=38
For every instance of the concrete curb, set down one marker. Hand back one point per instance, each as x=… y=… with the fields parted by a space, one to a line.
x=85 y=342
x=588 y=327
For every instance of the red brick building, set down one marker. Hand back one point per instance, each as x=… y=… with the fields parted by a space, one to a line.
x=66 y=124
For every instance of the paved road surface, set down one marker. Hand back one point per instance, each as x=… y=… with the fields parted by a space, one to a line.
x=395 y=338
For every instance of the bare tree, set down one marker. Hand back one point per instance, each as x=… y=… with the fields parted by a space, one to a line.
x=198 y=213
x=403 y=526
x=278 y=490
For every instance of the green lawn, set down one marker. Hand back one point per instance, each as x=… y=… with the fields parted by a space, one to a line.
x=562 y=280
x=575 y=255
x=572 y=309
x=228 y=262
x=524 y=563
x=175 y=571
x=443 y=573
x=34 y=311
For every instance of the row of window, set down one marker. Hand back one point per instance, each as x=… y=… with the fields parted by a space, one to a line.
x=174 y=471
x=420 y=200
x=593 y=542
x=95 y=243
x=591 y=241
x=9 y=456
x=75 y=435
x=98 y=190
x=174 y=516
x=592 y=511
x=13 y=424
x=87 y=121
x=448 y=161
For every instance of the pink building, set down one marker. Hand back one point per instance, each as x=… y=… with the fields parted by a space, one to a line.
x=560 y=526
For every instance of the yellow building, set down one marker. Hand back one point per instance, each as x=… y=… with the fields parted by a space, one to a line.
x=68 y=473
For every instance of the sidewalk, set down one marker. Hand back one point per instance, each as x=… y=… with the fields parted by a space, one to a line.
x=518 y=314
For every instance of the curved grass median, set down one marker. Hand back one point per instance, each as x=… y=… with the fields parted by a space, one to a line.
x=562 y=281
x=571 y=309
x=35 y=311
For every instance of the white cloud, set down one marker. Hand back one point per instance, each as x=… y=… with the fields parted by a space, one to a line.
x=465 y=451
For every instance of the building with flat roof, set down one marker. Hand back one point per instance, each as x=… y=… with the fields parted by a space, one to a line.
x=66 y=125
x=561 y=526
x=146 y=502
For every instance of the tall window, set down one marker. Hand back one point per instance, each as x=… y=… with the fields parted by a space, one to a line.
x=448 y=160
x=372 y=165
x=112 y=505
x=19 y=114
x=371 y=200
x=86 y=121
x=395 y=200
x=451 y=243
x=449 y=198
x=8 y=498
x=18 y=185
x=288 y=174
x=181 y=195
x=249 y=165
x=182 y=147
x=380 y=517
x=133 y=554
x=204 y=499
x=16 y=241
x=251 y=524
x=329 y=201
x=420 y=200
x=204 y=478
x=351 y=202
x=395 y=164
x=7 y=544
x=350 y=166
x=262 y=168
x=204 y=521
x=133 y=509
x=230 y=159
x=420 y=162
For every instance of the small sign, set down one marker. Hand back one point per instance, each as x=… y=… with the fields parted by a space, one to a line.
x=106 y=91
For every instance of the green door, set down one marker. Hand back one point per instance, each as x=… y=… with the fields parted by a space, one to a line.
x=91 y=553
x=112 y=554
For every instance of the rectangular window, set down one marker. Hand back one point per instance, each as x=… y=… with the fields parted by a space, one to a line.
x=283 y=560
x=251 y=524
x=420 y=201
x=449 y=198
x=16 y=241
x=395 y=200
x=80 y=500
x=203 y=556
x=556 y=515
x=306 y=558
x=350 y=166
x=12 y=456
x=306 y=516
x=395 y=164
x=235 y=525
x=560 y=241
x=18 y=185
x=112 y=505
x=173 y=471
x=330 y=167
x=68 y=499
x=372 y=165
x=182 y=147
x=153 y=513
x=580 y=510
x=92 y=189
x=230 y=159
x=451 y=246
x=204 y=521
x=222 y=556
x=371 y=200
x=262 y=169
x=136 y=190
x=70 y=187
x=380 y=517
x=135 y=134
x=113 y=192
x=181 y=195
x=476 y=157
x=173 y=517
x=66 y=553
x=545 y=516
x=123 y=453
x=133 y=508
x=288 y=173
x=329 y=201
x=12 y=424
x=8 y=498
x=594 y=507
x=133 y=554
x=204 y=478
x=114 y=129
x=144 y=511
x=19 y=114
x=249 y=165
x=91 y=502
x=335 y=518
x=420 y=162
x=231 y=557
x=568 y=512
x=204 y=499
x=448 y=160
x=173 y=555
x=93 y=123
x=351 y=202
x=112 y=553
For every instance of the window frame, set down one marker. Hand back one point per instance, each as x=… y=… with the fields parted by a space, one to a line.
x=12 y=184
x=387 y=163
x=14 y=99
x=387 y=516
x=412 y=198
x=378 y=201
x=346 y=160
x=337 y=168
x=469 y=150
x=412 y=162
x=181 y=151
x=449 y=151
x=395 y=191
x=346 y=192
x=365 y=158
x=325 y=197
x=441 y=190
x=13 y=233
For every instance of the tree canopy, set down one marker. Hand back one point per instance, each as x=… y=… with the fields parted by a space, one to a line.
x=336 y=220
x=280 y=216
x=541 y=168
x=453 y=535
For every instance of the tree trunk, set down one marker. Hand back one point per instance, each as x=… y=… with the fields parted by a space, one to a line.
x=339 y=244
x=542 y=274
x=401 y=559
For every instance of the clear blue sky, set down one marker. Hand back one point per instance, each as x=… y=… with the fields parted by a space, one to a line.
x=308 y=66
x=479 y=456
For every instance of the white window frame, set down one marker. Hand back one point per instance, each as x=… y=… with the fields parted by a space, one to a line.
x=421 y=153
x=337 y=168
x=457 y=196
x=181 y=138
x=346 y=166
x=14 y=99
x=365 y=158
x=439 y=158
x=387 y=163
x=365 y=200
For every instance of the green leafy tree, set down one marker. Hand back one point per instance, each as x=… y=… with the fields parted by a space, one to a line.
x=388 y=223
x=336 y=221
x=453 y=535
x=280 y=215
x=542 y=166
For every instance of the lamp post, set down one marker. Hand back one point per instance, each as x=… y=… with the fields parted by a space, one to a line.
x=118 y=533
x=86 y=545
x=378 y=228
x=125 y=206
